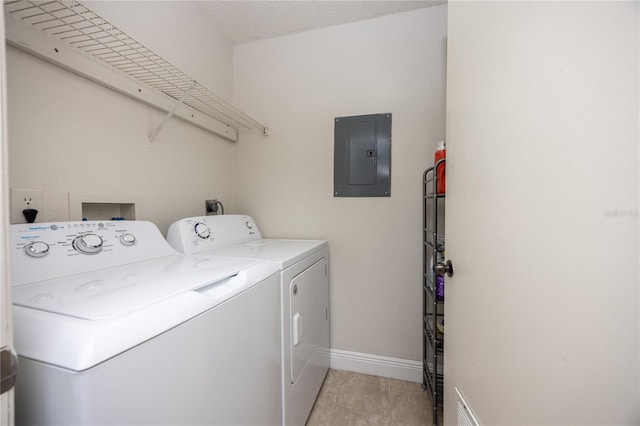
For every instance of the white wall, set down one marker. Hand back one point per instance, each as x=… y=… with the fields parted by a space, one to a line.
x=67 y=134
x=297 y=85
x=179 y=31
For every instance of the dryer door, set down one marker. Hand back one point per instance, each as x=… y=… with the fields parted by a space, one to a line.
x=308 y=314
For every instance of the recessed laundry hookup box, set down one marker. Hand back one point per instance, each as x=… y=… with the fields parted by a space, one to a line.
x=84 y=206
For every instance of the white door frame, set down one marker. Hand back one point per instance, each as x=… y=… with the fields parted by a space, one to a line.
x=6 y=327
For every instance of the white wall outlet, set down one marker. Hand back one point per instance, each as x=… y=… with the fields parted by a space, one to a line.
x=21 y=199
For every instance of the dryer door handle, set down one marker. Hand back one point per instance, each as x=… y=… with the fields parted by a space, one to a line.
x=297 y=328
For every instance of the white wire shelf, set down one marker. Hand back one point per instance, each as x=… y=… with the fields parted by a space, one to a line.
x=72 y=27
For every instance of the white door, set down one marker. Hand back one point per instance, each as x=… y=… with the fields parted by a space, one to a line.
x=6 y=330
x=542 y=212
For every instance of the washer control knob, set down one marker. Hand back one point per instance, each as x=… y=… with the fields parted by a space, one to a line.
x=88 y=244
x=128 y=239
x=202 y=230
x=37 y=249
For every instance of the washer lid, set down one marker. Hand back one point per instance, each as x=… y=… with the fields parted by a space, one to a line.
x=77 y=343
x=113 y=292
x=283 y=252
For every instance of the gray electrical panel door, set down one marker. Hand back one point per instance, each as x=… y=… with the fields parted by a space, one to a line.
x=362 y=156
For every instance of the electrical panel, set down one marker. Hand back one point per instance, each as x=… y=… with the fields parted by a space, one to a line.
x=362 y=156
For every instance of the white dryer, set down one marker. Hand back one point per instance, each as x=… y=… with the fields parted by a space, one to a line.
x=115 y=327
x=304 y=266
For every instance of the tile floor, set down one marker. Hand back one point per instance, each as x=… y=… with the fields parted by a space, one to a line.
x=358 y=399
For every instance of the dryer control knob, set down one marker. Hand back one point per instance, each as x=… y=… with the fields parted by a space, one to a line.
x=37 y=249
x=202 y=230
x=128 y=239
x=88 y=244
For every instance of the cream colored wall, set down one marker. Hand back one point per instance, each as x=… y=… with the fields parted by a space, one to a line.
x=67 y=134
x=179 y=31
x=297 y=85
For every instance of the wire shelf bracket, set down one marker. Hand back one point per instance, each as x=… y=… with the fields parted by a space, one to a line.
x=153 y=134
x=71 y=36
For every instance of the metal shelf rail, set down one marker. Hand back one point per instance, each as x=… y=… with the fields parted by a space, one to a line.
x=70 y=35
x=433 y=306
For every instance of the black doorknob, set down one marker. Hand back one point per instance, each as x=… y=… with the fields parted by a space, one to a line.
x=442 y=268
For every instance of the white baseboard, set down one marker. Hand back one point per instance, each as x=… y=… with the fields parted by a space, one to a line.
x=376 y=365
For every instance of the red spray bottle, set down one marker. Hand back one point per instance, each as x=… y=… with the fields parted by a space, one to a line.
x=441 y=152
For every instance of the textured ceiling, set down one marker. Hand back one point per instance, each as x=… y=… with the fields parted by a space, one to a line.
x=243 y=21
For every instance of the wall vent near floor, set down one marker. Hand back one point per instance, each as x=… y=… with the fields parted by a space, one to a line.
x=464 y=415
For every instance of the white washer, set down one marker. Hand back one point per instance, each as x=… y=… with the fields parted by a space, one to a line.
x=114 y=327
x=305 y=297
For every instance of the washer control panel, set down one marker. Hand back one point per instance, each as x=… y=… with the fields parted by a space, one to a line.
x=195 y=235
x=49 y=250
